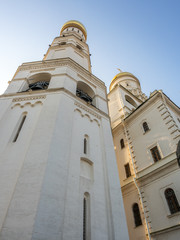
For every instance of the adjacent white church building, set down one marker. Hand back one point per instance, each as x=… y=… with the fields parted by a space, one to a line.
x=146 y=133
x=66 y=146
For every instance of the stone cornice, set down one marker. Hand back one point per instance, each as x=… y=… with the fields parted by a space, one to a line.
x=28 y=98
x=87 y=110
x=148 y=102
x=31 y=95
x=61 y=47
x=39 y=65
x=157 y=170
x=165 y=230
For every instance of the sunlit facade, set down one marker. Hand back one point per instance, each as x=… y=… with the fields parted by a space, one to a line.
x=58 y=174
x=146 y=133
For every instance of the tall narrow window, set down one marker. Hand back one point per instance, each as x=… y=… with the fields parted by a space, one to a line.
x=85 y=146
x=19 y=128
x=122 y=143
x=127 y=170
x=155 y=154
x=145 y=127
x=86 y=217
x=137 y=216
x=172 y=200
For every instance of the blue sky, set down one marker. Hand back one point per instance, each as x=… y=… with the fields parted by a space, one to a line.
x=137 y=36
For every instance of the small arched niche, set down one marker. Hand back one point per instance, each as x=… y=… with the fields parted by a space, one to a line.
x=131 y=101
x=85 y=92
x=39 y=81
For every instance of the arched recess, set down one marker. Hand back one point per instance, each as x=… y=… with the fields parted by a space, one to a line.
x=131 y=101
x=19 y=126
x=39 y=81
x=137 y=216
x=86 y=93
x=172 y=201
x=86 y=217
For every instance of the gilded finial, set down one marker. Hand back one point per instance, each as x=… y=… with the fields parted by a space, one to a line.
x=119 y=70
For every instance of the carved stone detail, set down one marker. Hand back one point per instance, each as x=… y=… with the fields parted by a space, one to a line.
x=87 y=110
x=28 y=98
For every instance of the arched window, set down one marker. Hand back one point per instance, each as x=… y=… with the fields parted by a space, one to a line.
x=86 y=217
x=172 y=200
x=86 y=93
x=127 y=170
x=122 y=143
x=145 y=126
x=137 y=216
x=39 y=81
x=21 y=123
x=85 y=145
x=130 y=100
x=155 y=154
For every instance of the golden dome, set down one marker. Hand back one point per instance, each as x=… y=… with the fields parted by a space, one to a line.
x=77 y=24
x=123 y=74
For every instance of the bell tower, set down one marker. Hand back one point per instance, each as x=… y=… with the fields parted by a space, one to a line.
x=58 y=173
x=71 y=43
x=125 y=95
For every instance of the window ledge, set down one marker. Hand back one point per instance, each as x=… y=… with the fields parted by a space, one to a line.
x=173 y=214
x=146 y=131
x=138 y=226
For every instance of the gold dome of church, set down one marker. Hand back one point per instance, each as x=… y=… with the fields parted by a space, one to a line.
x=123 y=74
x=76 y=24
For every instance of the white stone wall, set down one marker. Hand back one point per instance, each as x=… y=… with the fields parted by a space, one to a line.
x=151 y=178
x=44 y=174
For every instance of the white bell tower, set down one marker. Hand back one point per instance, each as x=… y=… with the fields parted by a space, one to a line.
x=125 y=95
x=58 y=173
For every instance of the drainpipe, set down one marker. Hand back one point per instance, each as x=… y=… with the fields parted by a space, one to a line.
x=134 y=179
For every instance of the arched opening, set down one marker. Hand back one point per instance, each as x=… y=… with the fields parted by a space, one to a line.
x=122 y=143
x=86 y=93
x=131 y=101
x=86 y=217
x=20 y=125
x=171 y=200
x=86 y=143
x=145 y=126
x=136 y=214
x=39 y=81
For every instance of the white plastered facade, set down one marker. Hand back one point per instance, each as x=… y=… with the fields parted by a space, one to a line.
x=148 y=181
x=44 y=174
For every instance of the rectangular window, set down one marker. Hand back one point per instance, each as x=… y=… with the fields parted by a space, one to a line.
x=127 y=170
x=19 y=128
x=155 y=154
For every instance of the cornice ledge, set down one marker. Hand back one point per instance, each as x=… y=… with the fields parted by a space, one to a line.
x=165 y=230
x=28 y=98
x=87 y=109
x=156 y=173
x=61 y=62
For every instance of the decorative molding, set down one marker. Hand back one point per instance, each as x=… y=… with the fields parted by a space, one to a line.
x=79 y=54
x=87 y=115
x=43 y=70
x=28 y=98
x=87 y=110
x=26 y=104
x=39 y=65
